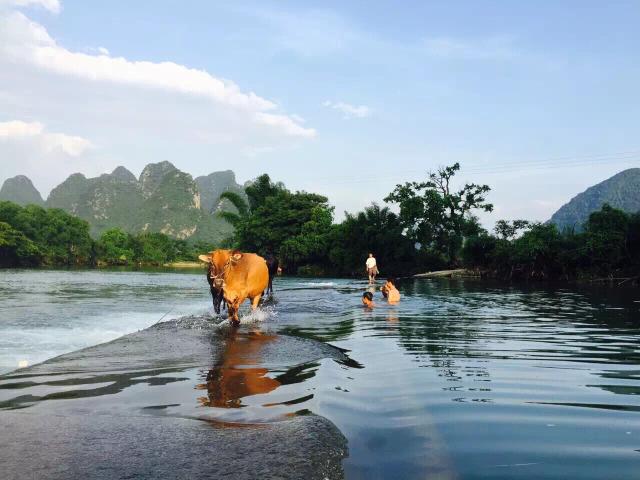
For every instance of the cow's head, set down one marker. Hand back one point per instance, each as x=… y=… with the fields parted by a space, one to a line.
x=216 y=261
x=235 y=257
x=205 y=258
x=211 y=269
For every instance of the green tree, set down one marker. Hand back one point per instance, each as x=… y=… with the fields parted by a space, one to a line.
x=379 y=231
x=60 y=237
x=507 y=230
x=281 y=217
x=155 y=248
x=115 y=247
x=434 y=213
x=262 y=188
x=606 y=239
x=67 y=238
x=242 y=209
x=479 y=250
x=633 y=240
x=536 y=254
x=311 y=245
x=16 y=249
x=9 y=212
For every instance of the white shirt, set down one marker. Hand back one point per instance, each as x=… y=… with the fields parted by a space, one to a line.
x=371 y=262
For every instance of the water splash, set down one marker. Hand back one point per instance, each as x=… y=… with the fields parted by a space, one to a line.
x=318 y=284
x=260 y=315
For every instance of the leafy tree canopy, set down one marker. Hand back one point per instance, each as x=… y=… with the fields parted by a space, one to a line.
x=434 y=213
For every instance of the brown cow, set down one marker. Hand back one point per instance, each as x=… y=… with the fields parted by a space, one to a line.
x=241 y=276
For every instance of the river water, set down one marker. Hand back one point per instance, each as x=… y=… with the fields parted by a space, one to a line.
x=461 y=379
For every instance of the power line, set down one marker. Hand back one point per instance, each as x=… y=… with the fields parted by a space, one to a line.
x=496 y=168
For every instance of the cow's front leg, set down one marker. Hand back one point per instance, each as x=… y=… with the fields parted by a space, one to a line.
x=233 y=308
x=233 y=315
x=217 y=299
x=220 y=301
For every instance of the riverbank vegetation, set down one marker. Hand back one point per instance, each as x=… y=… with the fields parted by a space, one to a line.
x=608 y=247
x=35 y=236
x=435 y=227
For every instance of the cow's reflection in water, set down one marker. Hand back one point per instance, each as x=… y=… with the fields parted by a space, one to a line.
x=235 y=377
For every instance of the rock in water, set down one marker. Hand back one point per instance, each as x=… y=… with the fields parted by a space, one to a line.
x=133 y=408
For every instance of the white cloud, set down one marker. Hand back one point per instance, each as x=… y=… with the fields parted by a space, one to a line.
x=52 y=5
x=298 y=118
x=18 y=129
x=23 y=41
x=348 y=110
x=137 y=111
x=97 y=50
x=284 y=123
x=48 y=142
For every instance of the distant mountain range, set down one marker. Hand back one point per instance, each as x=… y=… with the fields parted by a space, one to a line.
x=620 y=191
x=164 y=199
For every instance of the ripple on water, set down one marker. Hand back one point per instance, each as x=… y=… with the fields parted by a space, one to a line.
x=459 y=380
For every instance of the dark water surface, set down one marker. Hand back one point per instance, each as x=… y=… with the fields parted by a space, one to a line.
x=462 y=379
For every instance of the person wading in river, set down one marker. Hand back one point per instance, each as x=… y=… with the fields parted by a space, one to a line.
x=372 y=268
x=367 y=299
x=390 y=292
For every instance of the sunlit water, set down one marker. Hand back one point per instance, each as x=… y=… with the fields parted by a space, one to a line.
x=461 y=379
x=47 y=313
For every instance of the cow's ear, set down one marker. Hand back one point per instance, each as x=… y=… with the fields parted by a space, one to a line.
x=236 y=256
x=205 y=258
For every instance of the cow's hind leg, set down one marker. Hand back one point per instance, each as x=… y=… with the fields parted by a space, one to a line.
x=255 y=301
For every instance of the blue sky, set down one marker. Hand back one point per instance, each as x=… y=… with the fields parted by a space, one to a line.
x=538 y=99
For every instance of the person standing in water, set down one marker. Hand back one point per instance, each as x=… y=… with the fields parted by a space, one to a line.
x=372 y=268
